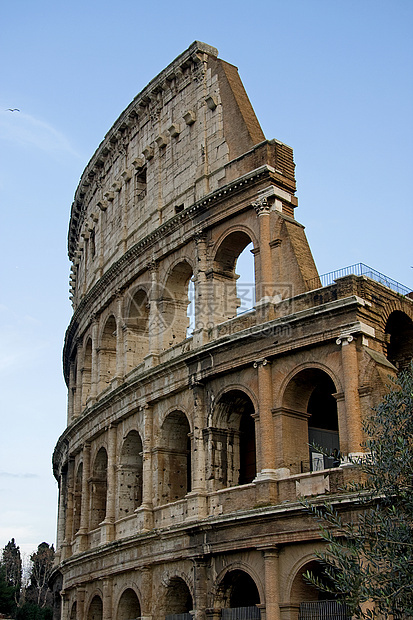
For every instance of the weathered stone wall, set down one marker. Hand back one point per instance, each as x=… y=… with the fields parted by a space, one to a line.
x=185 y=454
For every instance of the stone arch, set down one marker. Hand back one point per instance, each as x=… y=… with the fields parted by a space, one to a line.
x=178 y=597
x=232 y=440
x=237 y=587
x=301 y=593
x=309 y=415
x=136 y=328
x=95 y=609
x=173 y=304
x=223 y=275
x=130 y=474
x=107 y=352
x=174 y=457
x=77 y=498
x=128 y=606
x=99 y=486
x=399 y=339
x=87 y=371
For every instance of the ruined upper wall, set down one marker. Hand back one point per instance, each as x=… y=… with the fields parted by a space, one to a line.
x=167 y=150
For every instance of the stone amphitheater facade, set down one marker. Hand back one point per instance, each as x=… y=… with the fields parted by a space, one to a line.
x=187 y=442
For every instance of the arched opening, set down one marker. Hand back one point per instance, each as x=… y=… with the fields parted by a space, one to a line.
x=174 y=305
x=227 y=298
x=239 y=596
x=232 y=447
x=77 y=499
x=310 y=603
x=99 y=489
x=245 y=274
x=309 y=418
x=399 y=339
x=130 y=474
x=95 y=611
x=107 y=353
x=174 y=458
x=178 y=599
x=87 y=373
x=129 y=606
x=137 y=330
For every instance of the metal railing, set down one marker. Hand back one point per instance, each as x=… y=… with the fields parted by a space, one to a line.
x=241 y=613
x=324 y=610
x=359 y=269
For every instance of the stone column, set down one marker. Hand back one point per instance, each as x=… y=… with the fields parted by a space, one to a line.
x=155 y=324
x=203 y=293
x=80 y=602
x=146 y=593
x=196 y=499
x=349 y=362
x=84 y=511
x=120 y=358
x=266 y=284
x=78 y=396
x=69 y=508
x=94 y=379
x=107 y=599
x=108 y=523
x=147 y=475
x=200 y=588
x=61 y=512
x=266 y=426
x=272 y=592
x=71 y=393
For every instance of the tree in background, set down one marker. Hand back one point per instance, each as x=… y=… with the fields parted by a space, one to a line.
x=369 y=562
x=42 y=564
x=26 y=596
x=11 y=565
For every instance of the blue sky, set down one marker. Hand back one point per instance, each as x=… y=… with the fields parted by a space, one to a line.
x=331 y=78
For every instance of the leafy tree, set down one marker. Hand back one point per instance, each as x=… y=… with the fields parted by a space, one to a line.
x=11 y=564
x=369 y=561
x=7 y=594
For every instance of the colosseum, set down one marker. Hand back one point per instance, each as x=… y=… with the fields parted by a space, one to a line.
x=192 y=414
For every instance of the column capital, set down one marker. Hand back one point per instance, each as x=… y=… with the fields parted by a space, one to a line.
x=262 y=206
x=261 y=362
x=344 y=339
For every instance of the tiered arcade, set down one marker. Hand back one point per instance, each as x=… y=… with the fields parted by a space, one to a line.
x=187 y=442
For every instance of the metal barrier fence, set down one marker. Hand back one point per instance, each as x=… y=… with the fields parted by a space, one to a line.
x=324 y=610
x=359 y=269
x=241 y=613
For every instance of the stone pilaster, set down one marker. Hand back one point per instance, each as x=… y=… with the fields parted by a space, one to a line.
x=108 y=524
x=80 y=360
x=266 y=426
x=107 y=599
x=264 y=290
x=94 y=380
x=349 y=362
x=200 y=588
x=202 y=291
x=155 y=323
x=147 y=474
x=69 y=509
x=84 y=511
x=272 y=587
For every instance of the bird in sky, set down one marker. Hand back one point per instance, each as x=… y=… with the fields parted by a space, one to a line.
x=12 y=110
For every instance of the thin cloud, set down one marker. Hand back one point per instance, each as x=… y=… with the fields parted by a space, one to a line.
x=29 y=131
x=7 y=474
